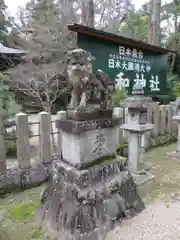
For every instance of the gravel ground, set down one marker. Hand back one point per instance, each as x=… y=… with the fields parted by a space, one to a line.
x=159 y=221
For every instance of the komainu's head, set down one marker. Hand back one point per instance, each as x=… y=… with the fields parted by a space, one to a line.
x=79 y=63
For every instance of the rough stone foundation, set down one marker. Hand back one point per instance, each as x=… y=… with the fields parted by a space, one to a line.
x=24 y=178
x=85 y=204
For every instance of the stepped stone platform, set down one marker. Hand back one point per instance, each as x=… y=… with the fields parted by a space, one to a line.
x=90 y=190
x=86 y=204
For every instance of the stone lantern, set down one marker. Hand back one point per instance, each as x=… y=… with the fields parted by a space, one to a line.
x=137 y=125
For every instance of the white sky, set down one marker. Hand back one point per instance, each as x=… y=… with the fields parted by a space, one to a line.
x=14 y=4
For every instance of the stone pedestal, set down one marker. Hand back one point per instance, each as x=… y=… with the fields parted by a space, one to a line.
x=86 y=141
x=90 y=190
x=134 y=147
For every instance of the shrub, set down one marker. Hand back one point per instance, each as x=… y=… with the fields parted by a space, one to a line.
x=8 y=109
x=173 y=81
x=10 y=137
x=118 y=96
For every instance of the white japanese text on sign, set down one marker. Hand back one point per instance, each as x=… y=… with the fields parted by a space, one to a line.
x=132 y=60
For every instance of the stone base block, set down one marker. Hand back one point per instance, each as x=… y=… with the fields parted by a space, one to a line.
x=142 y=177
x=81 y=149
x=88 y=211
x=89 y=177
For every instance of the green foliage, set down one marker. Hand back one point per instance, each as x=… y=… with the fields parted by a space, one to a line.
x=118 y=96
x=10 y=146
x=99 y=161
x=136 y=26
x=8 y=108
x=173 y=85
x=44 y=10
x=121 y=149
x=176 y=89
x=36 y=233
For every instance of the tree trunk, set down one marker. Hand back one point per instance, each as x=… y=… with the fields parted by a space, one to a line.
x=176 y=24
x=154 y=35
x=87 y=15
x=91 y=14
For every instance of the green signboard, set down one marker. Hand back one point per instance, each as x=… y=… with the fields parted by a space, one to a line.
x=127 y=65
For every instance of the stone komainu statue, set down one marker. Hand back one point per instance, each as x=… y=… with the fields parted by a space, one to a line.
x=87 y=88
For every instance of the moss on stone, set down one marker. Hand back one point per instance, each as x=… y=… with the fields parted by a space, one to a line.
x=121 y=147
x=22 y=211
x=99 y=161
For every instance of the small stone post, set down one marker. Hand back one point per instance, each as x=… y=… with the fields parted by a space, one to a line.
x=2 y=148
x=169 y=118
x=45 y=139
x=118 y=113
x=156 y=120
x=177 y=118
x=177 y=103
x=23 y=146
x=137 y=125
x=163 y=119
x=61 y=115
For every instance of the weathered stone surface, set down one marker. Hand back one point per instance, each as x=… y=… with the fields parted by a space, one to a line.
x=177 y=118
x=18 y=178
x=87 y=147
x=88 y=115
x=137 y=124
x=79 y=127
x=137 y=100
x=88 y=213
x=87 y=88
x=85 y=204
x=87 y=178
x=142 y=177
